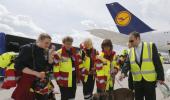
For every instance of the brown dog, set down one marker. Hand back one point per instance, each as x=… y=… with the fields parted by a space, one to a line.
x=118 y=94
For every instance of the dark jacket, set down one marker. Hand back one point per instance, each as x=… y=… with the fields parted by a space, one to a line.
x=156 y=61
x=31 y=52
x=27 y=54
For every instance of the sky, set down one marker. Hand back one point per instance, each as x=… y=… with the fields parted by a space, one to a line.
x=60 y=18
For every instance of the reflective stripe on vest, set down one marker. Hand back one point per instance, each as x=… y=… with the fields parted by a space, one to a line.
x=104 y=69
x=99 y=66
x=100 y=81
x=86 y=62
x=143 y=72
x=147 y=70
x=62 y=78
x=84 y=73
x=64 y=70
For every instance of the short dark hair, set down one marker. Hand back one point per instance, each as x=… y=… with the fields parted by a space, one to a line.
x=67 y=39
x=107 y=42
x=43 y=36
x=135 y=34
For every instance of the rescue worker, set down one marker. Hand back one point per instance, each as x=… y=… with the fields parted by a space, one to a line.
x=146 y=68
x=106 y=68
x=8 y=76
x=88 y=54
x=7 y=63
x=122 y=58
x=125 y=54
x=33 y=62
x=66 y=66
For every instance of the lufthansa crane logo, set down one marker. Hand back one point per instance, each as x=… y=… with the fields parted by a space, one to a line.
x=123 y=18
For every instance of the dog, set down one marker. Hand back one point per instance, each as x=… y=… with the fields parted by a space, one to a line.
x=118 y=94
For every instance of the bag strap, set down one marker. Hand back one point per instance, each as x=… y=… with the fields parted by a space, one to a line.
x=166 y=86
x=33 y=55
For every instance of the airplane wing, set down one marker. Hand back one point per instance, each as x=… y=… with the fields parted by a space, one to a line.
x=117 y=38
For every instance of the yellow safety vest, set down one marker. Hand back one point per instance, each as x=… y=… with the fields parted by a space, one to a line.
x=5 y=59
x=86 y=66
x=162 y=59
x=147 y=70
x=125 y=52
x=64 y=67
x=5 y=62
x=105 y=71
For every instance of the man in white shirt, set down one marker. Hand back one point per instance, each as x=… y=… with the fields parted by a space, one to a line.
x=145 y=66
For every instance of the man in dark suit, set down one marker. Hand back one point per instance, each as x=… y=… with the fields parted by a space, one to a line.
x=146 y=68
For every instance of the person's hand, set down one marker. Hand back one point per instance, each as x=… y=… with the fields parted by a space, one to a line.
x=122 y=76
x=114 y=71
x=40 y=75
x=160 y=82
x=92 y=72
x=51 y=56
x=52 y=51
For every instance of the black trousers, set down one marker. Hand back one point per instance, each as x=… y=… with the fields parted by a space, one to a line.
x=144 y=89
x=88 y=87
x=130 y=81
x=69 y=92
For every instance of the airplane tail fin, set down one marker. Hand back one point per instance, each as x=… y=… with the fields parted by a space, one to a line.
x=125 y=21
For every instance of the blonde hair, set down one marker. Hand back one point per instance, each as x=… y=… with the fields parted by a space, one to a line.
x=88 y=42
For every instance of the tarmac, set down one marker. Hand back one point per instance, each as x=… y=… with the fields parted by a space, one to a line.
x=6 y=94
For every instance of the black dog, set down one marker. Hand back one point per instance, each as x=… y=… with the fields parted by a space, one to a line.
x=119 y=94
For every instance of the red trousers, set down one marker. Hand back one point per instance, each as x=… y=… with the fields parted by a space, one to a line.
x=22 y=91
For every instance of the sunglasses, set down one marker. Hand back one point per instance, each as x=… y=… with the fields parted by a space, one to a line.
x=131 y=41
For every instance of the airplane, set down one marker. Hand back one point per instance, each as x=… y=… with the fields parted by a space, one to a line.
x=10 y=42
x=126 y=23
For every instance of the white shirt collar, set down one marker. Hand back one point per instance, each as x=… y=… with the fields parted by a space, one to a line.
x=140 y=45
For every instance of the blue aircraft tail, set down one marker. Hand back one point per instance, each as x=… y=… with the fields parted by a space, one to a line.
x=125 y=21
x=2 y=42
